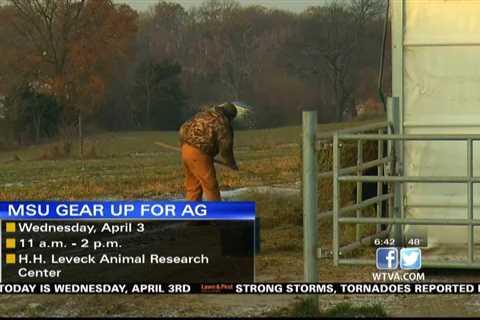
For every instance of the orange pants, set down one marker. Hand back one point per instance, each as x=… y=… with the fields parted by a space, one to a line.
x=200 y=176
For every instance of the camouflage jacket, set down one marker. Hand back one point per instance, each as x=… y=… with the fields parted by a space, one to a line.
x=211 y=132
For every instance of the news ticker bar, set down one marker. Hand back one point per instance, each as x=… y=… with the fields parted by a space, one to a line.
x=242 y=288
x=123 y=210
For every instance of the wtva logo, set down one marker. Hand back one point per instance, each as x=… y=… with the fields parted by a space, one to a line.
x=388 y=259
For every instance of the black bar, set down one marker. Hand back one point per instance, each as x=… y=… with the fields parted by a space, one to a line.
x=242 y=288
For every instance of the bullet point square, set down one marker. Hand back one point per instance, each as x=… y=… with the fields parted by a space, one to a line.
x=11 y=258
x=10 y=243
x=11 y=227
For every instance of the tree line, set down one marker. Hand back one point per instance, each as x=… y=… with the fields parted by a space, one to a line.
x=68 y=65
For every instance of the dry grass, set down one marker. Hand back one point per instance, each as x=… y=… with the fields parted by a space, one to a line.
x=130 y=166
x=304 y=309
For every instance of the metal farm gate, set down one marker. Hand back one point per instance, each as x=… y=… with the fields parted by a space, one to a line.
x=427 y=150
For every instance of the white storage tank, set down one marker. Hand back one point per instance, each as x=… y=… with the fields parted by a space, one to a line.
x=436 y=75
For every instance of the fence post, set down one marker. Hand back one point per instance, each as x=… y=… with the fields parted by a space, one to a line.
x=398 y=186
x=336 y=200
x=358 y=227
x=310 y=198
x=471 y=228
x=380 y=172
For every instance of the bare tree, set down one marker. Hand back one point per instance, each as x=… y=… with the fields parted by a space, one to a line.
x=162 y=38
x=333 y=34
x=231 y=41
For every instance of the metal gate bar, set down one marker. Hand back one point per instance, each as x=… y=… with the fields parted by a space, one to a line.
x=469 y=179
x=388 y=171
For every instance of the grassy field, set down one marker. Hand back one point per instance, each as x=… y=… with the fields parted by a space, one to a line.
x=129 y=165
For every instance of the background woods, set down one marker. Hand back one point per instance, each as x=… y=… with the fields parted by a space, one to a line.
x=70 y=65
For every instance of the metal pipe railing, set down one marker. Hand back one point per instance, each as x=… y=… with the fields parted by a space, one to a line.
x=336 y=200
x=471 y=240
x=416 y=179
x=366 y=240
x=470 y=179
x=410 y=137
x=425 y=264
x=395 y=221
x=412 y=221
x=309 y=191
x=380 y=171
x=436 y=205
x=359 y=188
x=361 y=128
x=364 y=166
x=365 y=203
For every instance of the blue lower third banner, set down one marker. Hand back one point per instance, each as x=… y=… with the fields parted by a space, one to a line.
x=127 y=210
x=127 y=242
